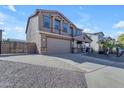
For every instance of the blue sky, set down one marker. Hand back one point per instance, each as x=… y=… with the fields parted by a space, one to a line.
x=108 y=19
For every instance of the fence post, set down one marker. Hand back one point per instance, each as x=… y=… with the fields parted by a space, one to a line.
x=0 y=39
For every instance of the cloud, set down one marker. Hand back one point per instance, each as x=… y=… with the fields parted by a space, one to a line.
x=1 y=23
x=116 y=34
x=12 y=8
x=19 y=29
x=2 y=20
x=89 y=30
x=12 y=26
x=119 y=25
x=82 y=19
x=2 y=17
x=120 y=32
x=10 y=20
x=4 y=36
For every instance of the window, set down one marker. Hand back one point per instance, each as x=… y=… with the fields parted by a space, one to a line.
x=57 y=24
x=65 y=27
x=74 y=33
x=46 y=21
x=78 y=32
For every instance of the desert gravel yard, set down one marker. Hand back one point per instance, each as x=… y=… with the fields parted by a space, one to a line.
x=23 y=75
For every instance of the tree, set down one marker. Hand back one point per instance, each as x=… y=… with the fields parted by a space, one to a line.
x=107 y=43
x=121 y=40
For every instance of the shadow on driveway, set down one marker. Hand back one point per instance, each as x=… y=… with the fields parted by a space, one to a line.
x=111 y=57
x=81 y=58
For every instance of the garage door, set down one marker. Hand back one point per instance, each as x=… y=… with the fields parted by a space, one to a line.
x=57 y=46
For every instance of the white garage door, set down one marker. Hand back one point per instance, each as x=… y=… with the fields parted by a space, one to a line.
x=56 y=46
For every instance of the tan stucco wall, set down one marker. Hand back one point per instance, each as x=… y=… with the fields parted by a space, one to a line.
x=33 y=32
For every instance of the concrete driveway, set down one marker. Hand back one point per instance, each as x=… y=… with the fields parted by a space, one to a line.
x=43 y=60
x=99 y=72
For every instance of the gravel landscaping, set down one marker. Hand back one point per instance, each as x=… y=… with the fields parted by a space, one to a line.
x=22 y=75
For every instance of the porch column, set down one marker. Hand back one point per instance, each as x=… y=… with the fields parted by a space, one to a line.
x=61 y=26
x=52 y=23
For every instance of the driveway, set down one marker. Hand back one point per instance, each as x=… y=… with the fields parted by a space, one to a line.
x=98 y=72
x=43 y=60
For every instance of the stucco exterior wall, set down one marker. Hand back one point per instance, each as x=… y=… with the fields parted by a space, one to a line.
x=94 y=44
x=33 y=32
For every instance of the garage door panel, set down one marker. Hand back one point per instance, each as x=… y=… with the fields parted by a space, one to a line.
x=56 y=46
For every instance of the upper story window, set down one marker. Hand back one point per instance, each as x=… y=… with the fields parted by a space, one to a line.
x=78 y=32
x=65 y=27
x=57 y=24
x=46 y=21
x=74 y=33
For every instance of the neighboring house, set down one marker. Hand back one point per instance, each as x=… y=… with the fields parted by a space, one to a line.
x=96 y=37
x=110 y=39
x=54 y=33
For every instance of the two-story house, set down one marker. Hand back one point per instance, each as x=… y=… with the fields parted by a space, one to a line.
x=54 y=33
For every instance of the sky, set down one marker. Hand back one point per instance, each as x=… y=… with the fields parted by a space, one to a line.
x=106 y=19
